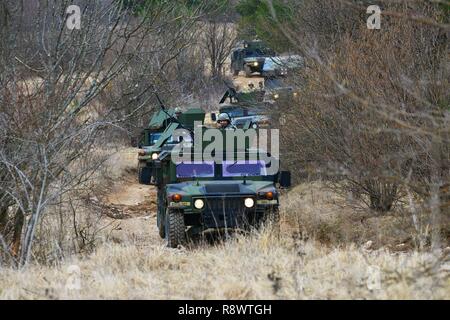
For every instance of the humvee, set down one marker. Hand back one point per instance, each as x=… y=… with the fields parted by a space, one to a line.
x=250 y=58
x=158 y=123
x=147 y=156
x=244 y=108
x=281 y=66
x=276 y=90
x=199 y=195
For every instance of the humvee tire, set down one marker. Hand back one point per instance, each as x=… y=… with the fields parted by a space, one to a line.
x=160 y=215
x=144 y=174
x=174 y=228
x=248 y=71
x=161 y=226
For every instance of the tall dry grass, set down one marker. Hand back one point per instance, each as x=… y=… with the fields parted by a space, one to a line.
x=313 y=256
x=260 y=266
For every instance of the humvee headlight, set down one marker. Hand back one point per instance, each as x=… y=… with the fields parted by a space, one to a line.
x=249 y=202
x=155 y=156
x=276 y=96
x=199 y=204
x=255 y=64
x=176 y=197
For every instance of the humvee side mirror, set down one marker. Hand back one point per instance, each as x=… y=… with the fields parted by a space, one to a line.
x=285 y=179
x=213 y=117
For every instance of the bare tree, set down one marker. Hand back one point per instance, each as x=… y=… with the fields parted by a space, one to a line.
x=219 y=38
x=51 y=81
x=372 y=116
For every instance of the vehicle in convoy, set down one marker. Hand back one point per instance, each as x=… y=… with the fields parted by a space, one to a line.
x=250 y=57
x=148 y=154
x=281 y=66
x=197 y=194
x=246 y=109
x=158 y=123
x=277 y=90
x=245 y=117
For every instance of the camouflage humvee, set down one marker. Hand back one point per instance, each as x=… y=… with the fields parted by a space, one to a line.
x=148 y=154
x=198 y=194
x=277 y=90
x=158 y=123
x=246 y=109
x=250 y=58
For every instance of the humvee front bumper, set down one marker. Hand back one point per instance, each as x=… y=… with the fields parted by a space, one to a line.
x=228 y=212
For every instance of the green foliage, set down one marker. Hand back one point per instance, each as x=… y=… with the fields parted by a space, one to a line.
x=139 y=7
x=445 y=7
x=257 y=21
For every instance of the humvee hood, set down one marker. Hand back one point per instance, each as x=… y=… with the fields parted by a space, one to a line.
x=206 y=188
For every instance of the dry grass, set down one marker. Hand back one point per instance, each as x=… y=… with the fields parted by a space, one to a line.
x=299 y=262
x=261 y=266
x=316 y=212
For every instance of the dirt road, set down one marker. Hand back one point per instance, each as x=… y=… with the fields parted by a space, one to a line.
x=131 y=206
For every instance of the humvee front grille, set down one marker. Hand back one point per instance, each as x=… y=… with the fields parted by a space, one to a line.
x=225 y=212
x=222 y=188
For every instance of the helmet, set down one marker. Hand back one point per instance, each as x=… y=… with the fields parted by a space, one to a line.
x=223 y=117
x=177 y=110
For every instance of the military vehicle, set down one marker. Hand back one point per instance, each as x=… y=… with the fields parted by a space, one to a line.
x=250 y=57
x=281 y=66
x=246 y=109
x=252 y=117
x=158 y=123
x=277 y=90
x=149 y=154
x=198 y=195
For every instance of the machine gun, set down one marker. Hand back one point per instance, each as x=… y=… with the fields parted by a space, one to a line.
x=230 y=93
x=171 y=117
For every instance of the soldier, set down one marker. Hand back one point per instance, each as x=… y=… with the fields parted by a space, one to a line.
x=224 y=122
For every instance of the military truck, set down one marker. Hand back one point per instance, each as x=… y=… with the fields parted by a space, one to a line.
x=244 y=108
x=282 y=66
x=245 y=117
x=158 y=123
x=148 y=155
x=250 y=57
x=200 y=194
x=277 y=90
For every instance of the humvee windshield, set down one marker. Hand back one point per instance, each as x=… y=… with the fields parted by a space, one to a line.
x=195 y=169
x=239 y=168
x=233 y=112
x=244 y=168
x=258 y=53
x=255 y=112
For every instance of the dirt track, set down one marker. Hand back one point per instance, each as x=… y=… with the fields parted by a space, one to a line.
x=130 y=206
